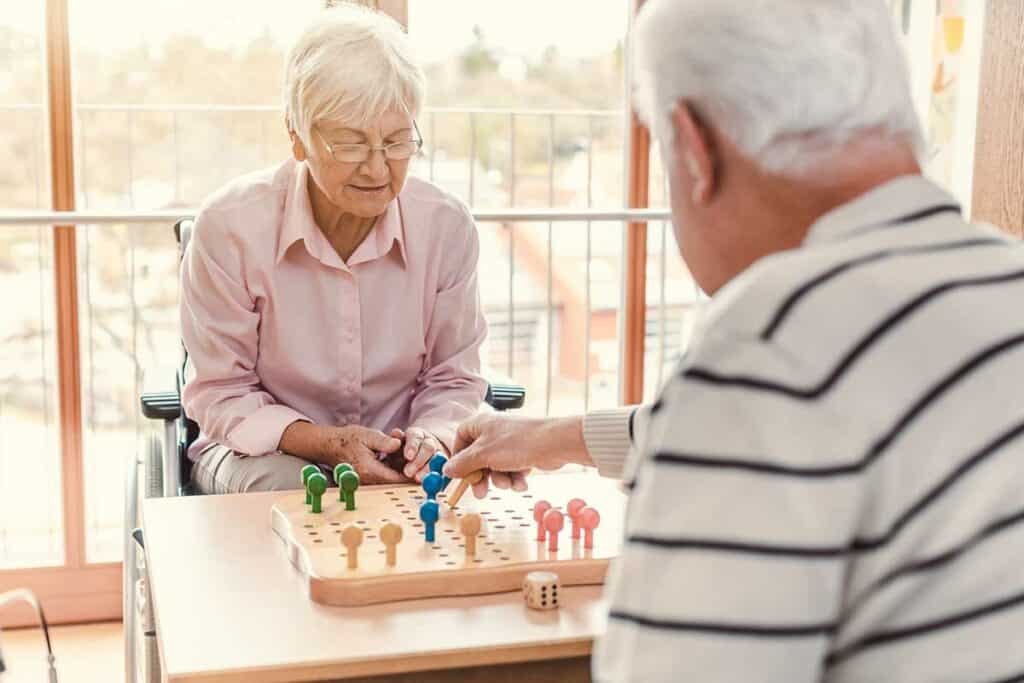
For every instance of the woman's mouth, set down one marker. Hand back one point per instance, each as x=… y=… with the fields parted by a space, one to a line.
x=369 y=191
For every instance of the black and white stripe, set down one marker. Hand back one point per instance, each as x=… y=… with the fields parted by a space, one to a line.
x=839 y=463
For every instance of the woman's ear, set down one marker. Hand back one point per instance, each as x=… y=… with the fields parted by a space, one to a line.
x=298 y=149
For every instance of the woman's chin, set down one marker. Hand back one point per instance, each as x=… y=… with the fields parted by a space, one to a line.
x=366 y=208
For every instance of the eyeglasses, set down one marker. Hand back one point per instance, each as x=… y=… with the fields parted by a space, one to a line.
x=357 y=153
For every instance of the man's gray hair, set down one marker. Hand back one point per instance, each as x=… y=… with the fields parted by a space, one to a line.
x=785 y=80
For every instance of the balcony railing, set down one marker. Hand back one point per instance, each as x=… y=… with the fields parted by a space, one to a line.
x=551 y=276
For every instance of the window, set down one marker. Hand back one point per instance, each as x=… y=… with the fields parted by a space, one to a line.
x=29 y=419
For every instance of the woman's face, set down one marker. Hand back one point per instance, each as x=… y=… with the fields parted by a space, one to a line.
x=361 y=188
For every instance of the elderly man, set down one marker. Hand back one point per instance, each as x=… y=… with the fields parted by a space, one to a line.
x=831 y=486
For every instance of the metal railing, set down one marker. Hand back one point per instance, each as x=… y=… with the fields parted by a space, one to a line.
x=525 y=176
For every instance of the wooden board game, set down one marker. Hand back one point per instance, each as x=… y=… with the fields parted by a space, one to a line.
x=507 y=546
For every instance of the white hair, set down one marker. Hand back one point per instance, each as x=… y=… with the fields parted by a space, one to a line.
x=351 y=65
x=786 y=81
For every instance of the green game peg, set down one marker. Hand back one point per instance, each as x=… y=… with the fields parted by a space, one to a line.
x=316 y=485
x=339 y=470
x=307 y=472
x=348 y=484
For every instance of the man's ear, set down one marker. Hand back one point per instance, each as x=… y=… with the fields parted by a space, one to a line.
x=692 y=147
x=298 y=149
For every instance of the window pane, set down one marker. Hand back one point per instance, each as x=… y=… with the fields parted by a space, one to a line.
x=29 y=417
x=31 y=523
x=180 y=99
x=523 y=113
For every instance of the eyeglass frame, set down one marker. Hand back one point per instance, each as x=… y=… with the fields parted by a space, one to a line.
x=373 y=148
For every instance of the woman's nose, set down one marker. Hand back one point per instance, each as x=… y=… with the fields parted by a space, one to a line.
x=375 y=164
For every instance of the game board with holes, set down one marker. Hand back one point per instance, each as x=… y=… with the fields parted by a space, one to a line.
x=506 y=546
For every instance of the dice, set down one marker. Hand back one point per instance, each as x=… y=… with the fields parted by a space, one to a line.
x=540 y=590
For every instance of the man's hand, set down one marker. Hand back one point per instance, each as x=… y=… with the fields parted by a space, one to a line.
x=420 y=447
x=508 y=448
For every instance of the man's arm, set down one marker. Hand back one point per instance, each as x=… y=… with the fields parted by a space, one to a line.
x=509 y=446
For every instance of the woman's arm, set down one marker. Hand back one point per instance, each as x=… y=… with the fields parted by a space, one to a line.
x=451 y=388
x=219 y=326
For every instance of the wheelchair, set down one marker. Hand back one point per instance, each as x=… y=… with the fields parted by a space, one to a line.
x=166 y=472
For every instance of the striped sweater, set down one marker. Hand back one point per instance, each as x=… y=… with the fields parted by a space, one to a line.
x=831 y=486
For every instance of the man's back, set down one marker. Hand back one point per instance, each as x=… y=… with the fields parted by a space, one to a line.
x=834 y=482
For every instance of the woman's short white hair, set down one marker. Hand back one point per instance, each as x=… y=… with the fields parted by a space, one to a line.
x=785 y=80
x=351 y=65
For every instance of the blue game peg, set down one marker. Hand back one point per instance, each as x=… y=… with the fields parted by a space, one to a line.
x=429 y=514
x=437 y=463
x=432 y=483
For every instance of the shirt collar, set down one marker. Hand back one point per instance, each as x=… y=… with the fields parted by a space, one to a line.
x=901 y=200
x=299 y=224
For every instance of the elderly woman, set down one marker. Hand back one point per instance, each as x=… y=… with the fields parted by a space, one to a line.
x=330 y=305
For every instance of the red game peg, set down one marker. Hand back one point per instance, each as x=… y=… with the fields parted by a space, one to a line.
x=539 y=509
x=554 y=521
x=573 y=507
x=589 y=519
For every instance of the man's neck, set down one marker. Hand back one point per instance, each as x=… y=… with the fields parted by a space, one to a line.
x=783 y=209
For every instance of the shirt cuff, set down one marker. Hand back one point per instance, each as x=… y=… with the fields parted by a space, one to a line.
x=260 y=433
x=607 y=435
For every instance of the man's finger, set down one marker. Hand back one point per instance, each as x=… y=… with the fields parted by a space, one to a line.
x=519 y=482
x=468 y=432
x=465 y=461
x=501 y=480
x=481 y=488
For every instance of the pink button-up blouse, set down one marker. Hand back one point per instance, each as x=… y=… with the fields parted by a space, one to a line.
x=279 y=328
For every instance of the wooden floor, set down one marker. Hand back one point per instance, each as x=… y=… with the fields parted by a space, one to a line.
x=87 y=653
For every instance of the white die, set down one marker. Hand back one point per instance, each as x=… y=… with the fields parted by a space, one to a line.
x=540 y=590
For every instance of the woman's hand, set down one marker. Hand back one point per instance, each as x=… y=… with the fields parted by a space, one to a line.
x=356 y=445
x=420 y=447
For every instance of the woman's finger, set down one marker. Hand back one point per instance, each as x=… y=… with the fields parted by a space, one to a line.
x=377 y=472
x=420 y=465
x=412 y=443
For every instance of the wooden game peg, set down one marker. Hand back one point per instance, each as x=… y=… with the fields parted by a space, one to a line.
x=554 y=521
x=470 y=527
x=460 y=490
x=432 y=485
x=429 y=513
x=437 y=463
x=306 y=472
x=589 y=519
x=391 y=535
x=340 y=469
x=573 y=508
x=316 y=486
x=348 y=483
x=352 y=538
x=539 y=509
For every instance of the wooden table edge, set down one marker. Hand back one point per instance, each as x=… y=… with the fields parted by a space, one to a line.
x=433 y=661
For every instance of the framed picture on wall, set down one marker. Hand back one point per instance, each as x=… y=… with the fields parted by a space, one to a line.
x=943 y=44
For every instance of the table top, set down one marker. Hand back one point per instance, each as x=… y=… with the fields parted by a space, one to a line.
x=230 y=607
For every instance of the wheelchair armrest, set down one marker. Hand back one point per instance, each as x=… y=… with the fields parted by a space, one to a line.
x=161 y=405
x=160 y=398
x=504 y=397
